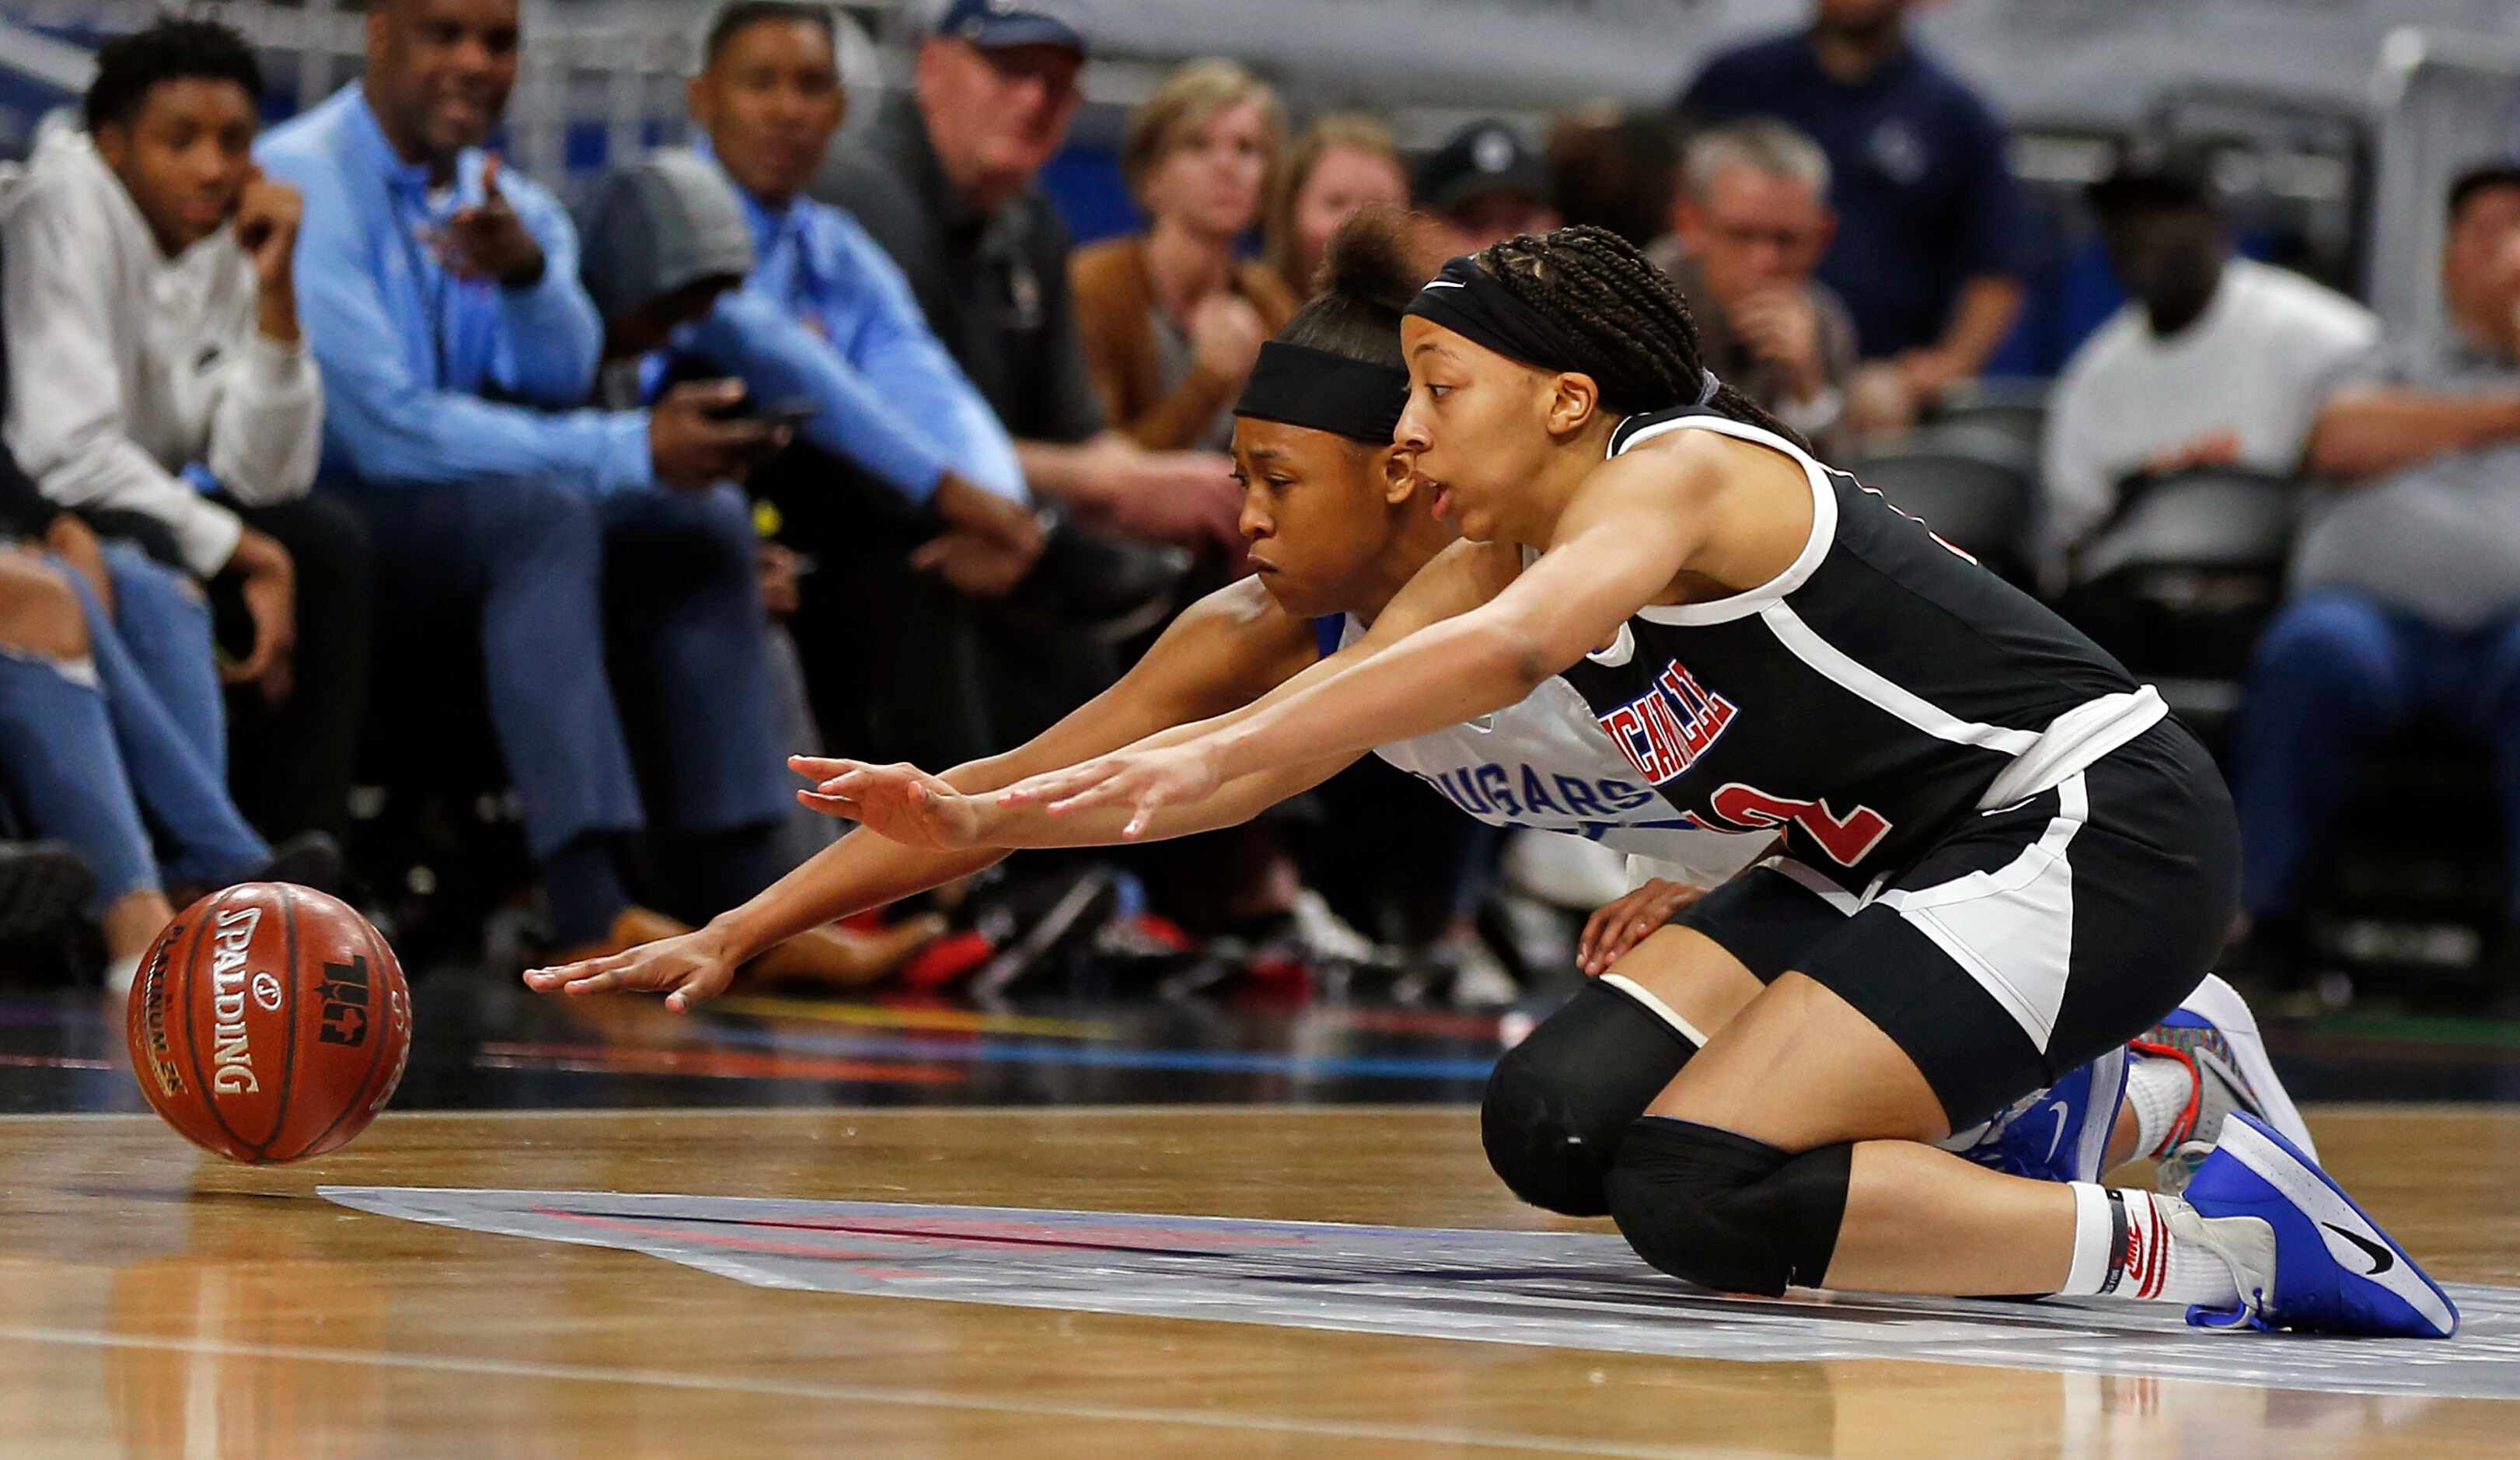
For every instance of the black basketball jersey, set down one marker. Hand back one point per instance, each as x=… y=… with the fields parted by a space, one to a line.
x=1880 y=689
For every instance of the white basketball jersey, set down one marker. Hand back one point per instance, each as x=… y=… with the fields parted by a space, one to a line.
x=1546 y=763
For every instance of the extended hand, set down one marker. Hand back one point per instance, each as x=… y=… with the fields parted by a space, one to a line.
x=1144 y=781
x=900 y=802
x=1619 y=926
x=689 y=970
x=488 y=241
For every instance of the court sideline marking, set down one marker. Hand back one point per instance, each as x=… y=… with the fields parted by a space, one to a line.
x=851 y=1393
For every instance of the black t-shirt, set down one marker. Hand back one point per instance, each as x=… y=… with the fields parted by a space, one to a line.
x=994 y=288
x=1865 y=701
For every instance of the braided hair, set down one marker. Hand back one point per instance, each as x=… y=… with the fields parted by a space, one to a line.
x=1640 y=345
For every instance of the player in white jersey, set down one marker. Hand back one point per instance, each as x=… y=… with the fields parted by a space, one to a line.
x=1337 y=525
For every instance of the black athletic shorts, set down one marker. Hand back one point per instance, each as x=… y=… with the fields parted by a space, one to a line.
x=2032 y=939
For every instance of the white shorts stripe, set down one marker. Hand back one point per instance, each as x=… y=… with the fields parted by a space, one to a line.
x=2013 y=928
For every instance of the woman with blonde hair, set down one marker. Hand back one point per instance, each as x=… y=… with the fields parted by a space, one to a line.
x=1172 y=319
x=1346 y=161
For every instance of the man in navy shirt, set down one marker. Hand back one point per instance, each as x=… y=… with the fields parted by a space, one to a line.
x=1928 y=256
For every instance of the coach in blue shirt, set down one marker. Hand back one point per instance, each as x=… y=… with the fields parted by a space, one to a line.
x=1928 y=252
x=443 y=301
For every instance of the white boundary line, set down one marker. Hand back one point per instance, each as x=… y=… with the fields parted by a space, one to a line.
x=853 y=1393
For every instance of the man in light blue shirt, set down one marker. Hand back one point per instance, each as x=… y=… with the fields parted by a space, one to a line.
x=457 y=347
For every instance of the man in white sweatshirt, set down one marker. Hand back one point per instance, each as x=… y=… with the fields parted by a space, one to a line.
x=162 y=388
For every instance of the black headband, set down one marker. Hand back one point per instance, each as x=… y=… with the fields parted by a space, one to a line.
x=1469 y=301
x=1318 y=390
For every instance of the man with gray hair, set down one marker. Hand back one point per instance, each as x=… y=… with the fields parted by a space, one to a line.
x=1748 y=227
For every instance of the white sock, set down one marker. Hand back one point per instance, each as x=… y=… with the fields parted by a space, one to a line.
x=2158 y=1092
x=2124 y=1247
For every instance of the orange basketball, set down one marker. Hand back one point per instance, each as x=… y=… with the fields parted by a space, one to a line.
x=269 y=1023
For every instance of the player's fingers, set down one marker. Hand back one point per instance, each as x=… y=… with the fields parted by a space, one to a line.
x=696 y=990
x=1593 y=926
x=610 y=981
x=562 y=971
x=831 y=806
x=821 y=767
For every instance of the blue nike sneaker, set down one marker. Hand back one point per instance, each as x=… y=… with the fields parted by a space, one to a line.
x=2304 y=1257
x=2059 y=1134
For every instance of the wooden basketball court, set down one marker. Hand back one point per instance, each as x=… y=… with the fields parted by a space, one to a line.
x=155 y=1302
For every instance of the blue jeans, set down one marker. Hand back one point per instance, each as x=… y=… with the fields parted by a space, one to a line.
x=163 y=621
x=532 y=566
x=97 y=759
x=2337 y=672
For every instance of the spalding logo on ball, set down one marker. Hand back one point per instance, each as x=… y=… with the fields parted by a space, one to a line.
x=270 y=1023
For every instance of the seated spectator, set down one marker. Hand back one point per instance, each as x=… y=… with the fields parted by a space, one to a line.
x=1928 y=261
x=768 y=102
x=1172 y=318
x=948 y=186
x=1750 y=224
x=667 y=245
x=165 y=388
x=1486 y=185
x=2213 y=361
x=1344 y=161
x=2406 y=581
x=457 y=344
x=903 y=485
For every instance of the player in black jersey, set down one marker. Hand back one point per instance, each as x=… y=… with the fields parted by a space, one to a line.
x=2001 y=858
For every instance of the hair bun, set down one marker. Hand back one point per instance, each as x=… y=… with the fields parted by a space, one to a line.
x=1381 y=256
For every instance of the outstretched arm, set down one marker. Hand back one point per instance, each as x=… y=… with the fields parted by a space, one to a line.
x=1636 y=525
x=908 y=804
x=1228 y=647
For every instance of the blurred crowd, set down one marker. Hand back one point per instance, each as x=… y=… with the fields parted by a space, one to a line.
x=377 y=524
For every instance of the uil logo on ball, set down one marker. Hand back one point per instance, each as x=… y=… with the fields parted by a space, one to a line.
x=344 y=993
x=266 y=992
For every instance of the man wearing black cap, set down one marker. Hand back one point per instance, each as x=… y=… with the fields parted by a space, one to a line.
x=948 y=189
x=1488 y=185
x=2214 y=360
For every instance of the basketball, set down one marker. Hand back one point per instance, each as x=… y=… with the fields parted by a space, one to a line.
x=269 y=1023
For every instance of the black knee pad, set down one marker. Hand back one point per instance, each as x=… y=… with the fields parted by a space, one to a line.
x=1558 y=1101
x=1725 y=1212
